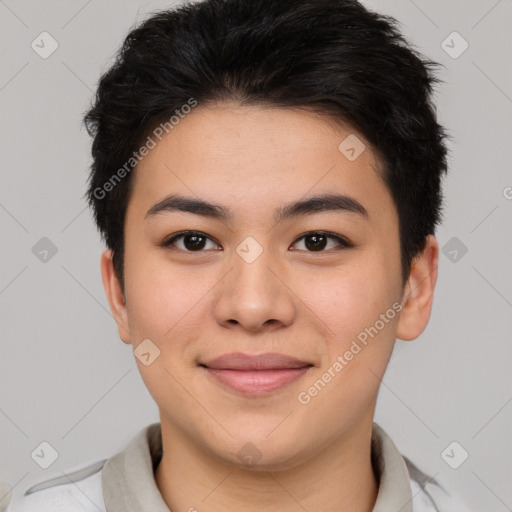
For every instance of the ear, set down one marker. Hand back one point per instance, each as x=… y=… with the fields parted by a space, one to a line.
x=419 y=292
x=114 y=294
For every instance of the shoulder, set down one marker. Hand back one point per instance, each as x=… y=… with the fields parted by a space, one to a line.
x=429 y=495
x=78 y=489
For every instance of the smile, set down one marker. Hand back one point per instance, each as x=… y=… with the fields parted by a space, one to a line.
x=255 y=375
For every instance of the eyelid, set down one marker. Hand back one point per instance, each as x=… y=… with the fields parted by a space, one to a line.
x=344 y=242
x=176 y=236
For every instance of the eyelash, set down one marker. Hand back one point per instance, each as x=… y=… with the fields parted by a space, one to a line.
x=344 y=243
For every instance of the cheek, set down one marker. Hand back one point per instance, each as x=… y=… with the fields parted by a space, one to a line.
x=349 y=298
x=164 y=299
x=358 y=342
x=151 y=290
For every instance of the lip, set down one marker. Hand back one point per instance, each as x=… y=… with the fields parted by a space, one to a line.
x=255 y=375
x=266 y=361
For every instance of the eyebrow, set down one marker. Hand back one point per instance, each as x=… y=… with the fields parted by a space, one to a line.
x=310 y=206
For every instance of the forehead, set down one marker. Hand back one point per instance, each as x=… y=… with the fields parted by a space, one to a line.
x=253 y=157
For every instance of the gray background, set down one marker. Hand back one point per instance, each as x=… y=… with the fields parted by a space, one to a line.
x=67 y=379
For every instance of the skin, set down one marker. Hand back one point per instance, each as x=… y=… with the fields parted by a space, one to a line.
x=309 y=304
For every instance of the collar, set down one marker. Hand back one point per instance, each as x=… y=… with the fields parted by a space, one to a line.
x=129 y=484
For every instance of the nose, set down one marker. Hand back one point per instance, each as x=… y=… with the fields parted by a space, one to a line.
x=254 y=296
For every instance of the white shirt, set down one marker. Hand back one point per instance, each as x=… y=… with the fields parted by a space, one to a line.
x=126 y=482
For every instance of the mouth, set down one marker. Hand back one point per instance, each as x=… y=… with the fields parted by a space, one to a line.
x=255 y=375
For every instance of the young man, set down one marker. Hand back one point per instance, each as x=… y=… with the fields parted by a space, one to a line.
x=266 y=176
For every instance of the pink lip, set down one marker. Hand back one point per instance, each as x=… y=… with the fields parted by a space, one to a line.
x=256 y=375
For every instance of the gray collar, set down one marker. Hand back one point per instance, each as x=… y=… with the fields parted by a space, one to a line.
x=394 y=481
x=129 y=484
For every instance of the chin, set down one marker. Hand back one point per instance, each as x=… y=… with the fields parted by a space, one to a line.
x=258 y=453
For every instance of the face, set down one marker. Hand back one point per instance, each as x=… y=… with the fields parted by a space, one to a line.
x=319 y=282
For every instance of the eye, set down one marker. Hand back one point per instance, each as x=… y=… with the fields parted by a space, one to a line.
x=190 y=241
x=317 y=241
x=196 y=241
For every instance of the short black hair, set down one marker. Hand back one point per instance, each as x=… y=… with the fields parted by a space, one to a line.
x=333 y=56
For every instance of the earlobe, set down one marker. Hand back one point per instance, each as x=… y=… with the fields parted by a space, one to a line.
x=115 y=296
x=419 y=292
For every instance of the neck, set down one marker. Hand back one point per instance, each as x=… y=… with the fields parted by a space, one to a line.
x=339 y=478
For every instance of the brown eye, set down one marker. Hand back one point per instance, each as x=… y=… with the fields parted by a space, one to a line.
x=318 y=241
x=315 y=242
x=194 y=242
x=190 y=241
